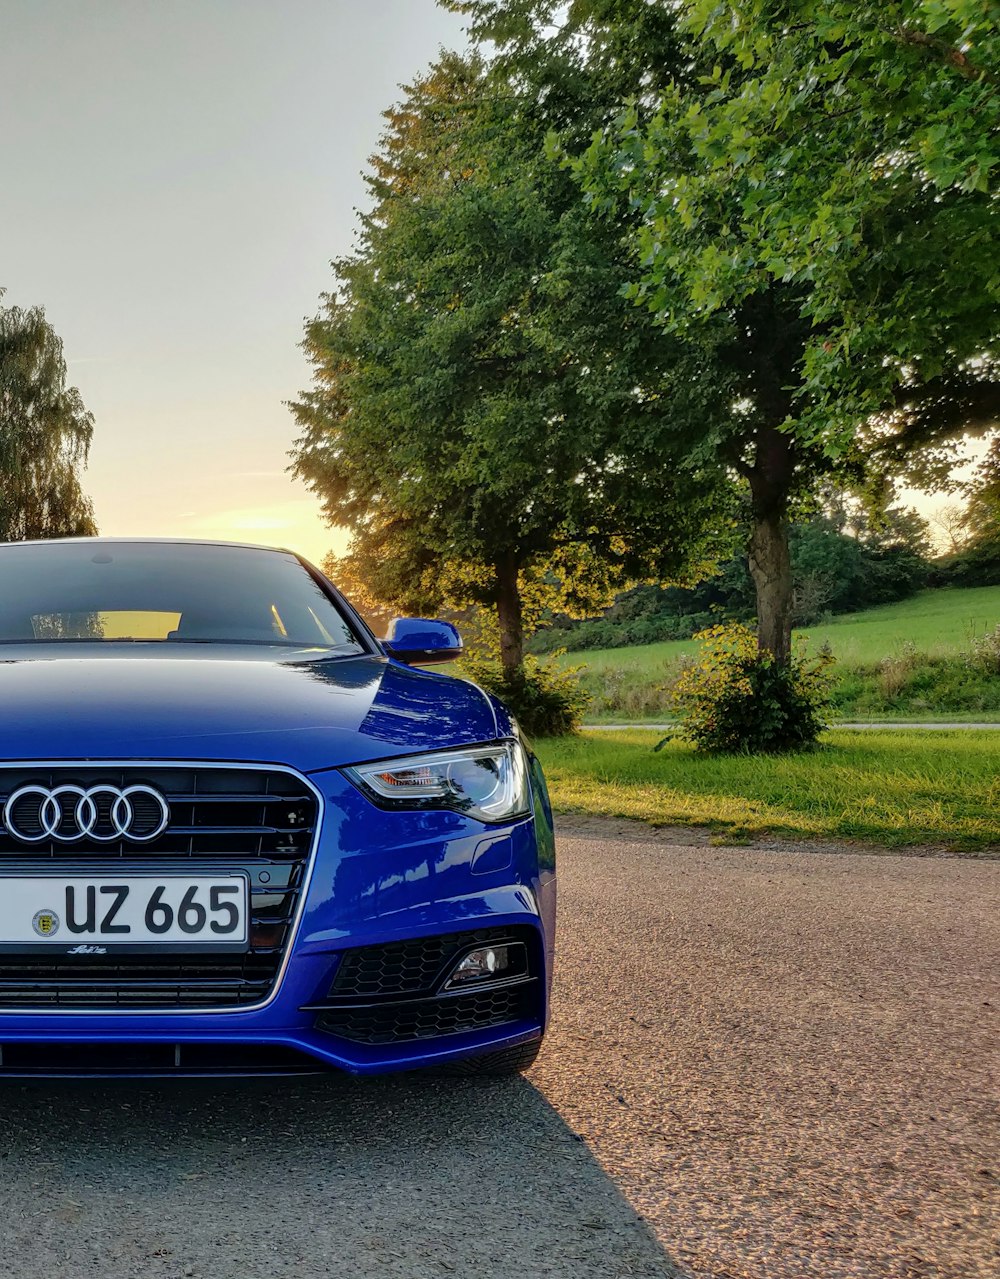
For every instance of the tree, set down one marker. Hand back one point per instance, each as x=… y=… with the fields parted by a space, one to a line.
x=809 y=188
x=833 y=173
x=951 y=524
x=848 y=150
x=45 y=433
x=976 y=560
x=484 y=416
x=982 y=511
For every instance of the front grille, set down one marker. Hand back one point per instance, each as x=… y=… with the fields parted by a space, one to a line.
x=225 y=814
x=395 y=992
x=148 y=981
x=262 y=821
x=428 y=1018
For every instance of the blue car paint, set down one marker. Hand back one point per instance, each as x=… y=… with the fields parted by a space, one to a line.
x=127 y=702
x=378 y=875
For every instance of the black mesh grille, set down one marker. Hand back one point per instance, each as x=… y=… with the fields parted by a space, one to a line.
x=407 y=967
x=396 y=992
x=259 y=820
x=38 y=981
x=392 y=1023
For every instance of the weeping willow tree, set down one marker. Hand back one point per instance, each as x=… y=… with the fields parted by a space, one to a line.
x=45 y=434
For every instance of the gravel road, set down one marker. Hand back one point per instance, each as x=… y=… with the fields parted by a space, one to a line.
x=766 y=1063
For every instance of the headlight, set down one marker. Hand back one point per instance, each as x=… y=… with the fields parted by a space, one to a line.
x=486 y=782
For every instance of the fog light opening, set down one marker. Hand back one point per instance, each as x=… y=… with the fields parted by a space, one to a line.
x=487 y=963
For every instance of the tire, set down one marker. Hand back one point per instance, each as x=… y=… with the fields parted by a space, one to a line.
x=506 y=1061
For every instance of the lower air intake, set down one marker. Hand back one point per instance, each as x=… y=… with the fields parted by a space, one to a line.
x=430 y=1018
x=397 y=992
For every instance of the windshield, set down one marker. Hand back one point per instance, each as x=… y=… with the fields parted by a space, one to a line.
x=160 y=592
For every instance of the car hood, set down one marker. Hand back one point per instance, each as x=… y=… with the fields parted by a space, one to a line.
x=307 y=714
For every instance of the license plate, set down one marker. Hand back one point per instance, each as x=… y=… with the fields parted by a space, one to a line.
x=80 y=914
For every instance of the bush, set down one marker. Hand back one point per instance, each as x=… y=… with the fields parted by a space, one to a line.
x=977 y=565
x=736 y=700
x=914 y=687
x=547 y=699
x=984 y=656
x=895 y=672
x=605 y=633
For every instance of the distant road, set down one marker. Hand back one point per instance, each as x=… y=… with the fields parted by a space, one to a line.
x=930 y=725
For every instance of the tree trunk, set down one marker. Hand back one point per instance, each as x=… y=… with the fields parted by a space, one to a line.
x=509 y=614
x=771 y=569
x=771 y=480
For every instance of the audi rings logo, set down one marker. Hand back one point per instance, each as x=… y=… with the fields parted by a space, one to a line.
x=103 y=813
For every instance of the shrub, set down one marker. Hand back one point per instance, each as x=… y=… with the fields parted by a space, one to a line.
x=977 y=565
x=603 y=633
x=736 y=700
x=984 y=656
x=895 y=671
x=547 y=699
x=942 y=685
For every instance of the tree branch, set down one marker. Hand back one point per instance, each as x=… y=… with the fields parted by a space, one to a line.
x=947 y=53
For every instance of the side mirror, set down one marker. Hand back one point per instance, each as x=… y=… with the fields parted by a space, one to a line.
x=420 y=641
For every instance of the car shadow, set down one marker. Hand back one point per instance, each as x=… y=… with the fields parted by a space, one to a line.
x=412 y=1176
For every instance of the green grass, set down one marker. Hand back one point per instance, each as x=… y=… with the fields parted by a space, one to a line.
x=938 y=625
x=891 y=787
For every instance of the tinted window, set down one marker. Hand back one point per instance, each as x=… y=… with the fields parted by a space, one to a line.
x=164 y=592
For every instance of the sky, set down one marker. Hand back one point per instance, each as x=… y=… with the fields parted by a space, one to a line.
x=175 y=176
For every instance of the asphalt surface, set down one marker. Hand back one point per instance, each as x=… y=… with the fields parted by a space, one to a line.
x=764 y=1062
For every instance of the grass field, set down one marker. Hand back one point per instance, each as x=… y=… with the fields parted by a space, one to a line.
x=892 y=787
x=877 y=673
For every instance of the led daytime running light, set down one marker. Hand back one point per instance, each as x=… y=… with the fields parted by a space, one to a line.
x=486 y=782
x=407 y=777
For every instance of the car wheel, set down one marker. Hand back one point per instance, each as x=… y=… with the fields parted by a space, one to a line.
x=507 y=1061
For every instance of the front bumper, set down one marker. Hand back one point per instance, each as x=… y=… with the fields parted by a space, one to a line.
x=376 y=877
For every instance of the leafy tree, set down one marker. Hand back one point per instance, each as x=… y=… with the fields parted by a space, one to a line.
x=841 y=562
x=45 y=433
x=834 y=170
x=849 y=150
x=813 y=186
x=982 y=511
x=486 y=410
x=976 y=562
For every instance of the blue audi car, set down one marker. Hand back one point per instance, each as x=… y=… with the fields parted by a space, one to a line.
x=241 y=835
